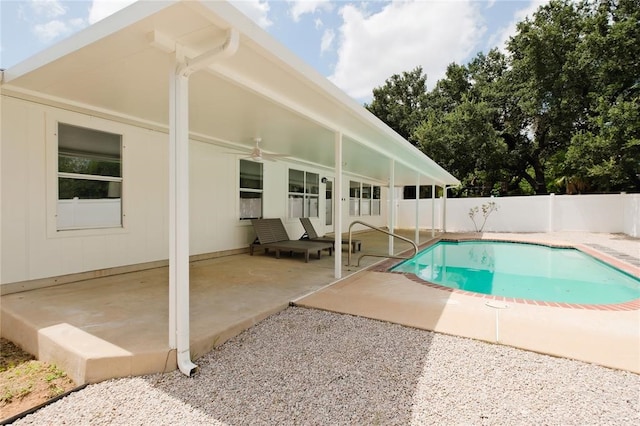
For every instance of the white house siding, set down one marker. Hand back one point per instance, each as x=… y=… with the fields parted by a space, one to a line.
x=32 y=248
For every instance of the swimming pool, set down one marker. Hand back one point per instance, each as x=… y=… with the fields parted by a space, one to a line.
x=522 y=271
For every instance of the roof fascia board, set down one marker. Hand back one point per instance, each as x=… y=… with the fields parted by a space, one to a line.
x=114 y=23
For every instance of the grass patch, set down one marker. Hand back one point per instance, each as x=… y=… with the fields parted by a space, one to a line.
x=26 y=382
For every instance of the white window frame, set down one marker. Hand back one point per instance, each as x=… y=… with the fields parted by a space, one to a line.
x=52 y=120
x=306 y=196
x=357 y=202
x=365 y=203
x=246 y=220
x=376 y=203
x=354 y=201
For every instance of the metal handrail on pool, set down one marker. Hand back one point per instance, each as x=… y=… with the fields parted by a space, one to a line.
x=375 y=228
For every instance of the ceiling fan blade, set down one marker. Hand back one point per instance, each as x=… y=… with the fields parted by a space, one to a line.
x=268 y=155
x=257 y=154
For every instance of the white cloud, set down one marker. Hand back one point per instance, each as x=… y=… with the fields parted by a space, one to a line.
x=47 y=8
x=318 y=23
x=300 y=7
x=100 y=9
x=256 y=10
x=327 y=40
x=403 y=35
x=501 y=37
x=48 y=20
x=56 y=28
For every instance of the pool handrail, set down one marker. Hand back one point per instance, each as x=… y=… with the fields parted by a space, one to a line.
x=375 y=228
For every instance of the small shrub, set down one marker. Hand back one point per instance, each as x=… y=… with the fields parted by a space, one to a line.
x=487 y=209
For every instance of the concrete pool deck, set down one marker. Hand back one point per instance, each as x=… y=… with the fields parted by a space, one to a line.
x=599 y=334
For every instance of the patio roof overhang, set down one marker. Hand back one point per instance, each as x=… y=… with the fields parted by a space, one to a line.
x=134 y=67
x=119 y=68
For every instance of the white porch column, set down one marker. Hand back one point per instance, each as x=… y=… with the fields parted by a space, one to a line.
x=433 y=210
x=417 y=234
x=444 y=208
x=392 y=202
x=337 y=220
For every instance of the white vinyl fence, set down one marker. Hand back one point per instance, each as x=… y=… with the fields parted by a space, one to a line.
x=608 y=213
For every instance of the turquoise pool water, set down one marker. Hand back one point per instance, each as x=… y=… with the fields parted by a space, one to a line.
x=523 y=271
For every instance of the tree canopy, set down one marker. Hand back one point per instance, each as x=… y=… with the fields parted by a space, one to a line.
x=559 y=111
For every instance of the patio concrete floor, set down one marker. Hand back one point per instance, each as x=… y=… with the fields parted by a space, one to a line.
x=117 y=326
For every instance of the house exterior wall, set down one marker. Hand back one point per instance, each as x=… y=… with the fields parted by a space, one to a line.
x=31 y=246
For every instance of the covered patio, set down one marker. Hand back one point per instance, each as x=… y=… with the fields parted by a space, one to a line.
x=188 y=88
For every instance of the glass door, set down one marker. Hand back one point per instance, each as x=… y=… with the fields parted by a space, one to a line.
x=328 y=197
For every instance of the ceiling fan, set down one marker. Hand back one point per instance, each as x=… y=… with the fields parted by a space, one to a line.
x=257 y=154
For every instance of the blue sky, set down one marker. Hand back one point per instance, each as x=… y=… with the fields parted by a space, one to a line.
x=356 y=44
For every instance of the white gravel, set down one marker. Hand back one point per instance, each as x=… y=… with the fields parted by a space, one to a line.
x=308 y=367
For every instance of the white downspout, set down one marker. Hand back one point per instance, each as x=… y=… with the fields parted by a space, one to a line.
x=179 y=333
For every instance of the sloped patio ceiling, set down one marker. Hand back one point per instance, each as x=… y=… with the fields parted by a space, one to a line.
x=262 y=91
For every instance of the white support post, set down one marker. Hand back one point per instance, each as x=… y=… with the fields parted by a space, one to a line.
x=172 y=213
x=433 y=210
x=392 y=203
x=444 y=208
x=337 y=219
x=417 y=230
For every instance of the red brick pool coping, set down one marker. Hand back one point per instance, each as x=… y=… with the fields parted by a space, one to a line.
x=631 y=305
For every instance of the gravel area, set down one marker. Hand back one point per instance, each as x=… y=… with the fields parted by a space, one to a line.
x=309 y=367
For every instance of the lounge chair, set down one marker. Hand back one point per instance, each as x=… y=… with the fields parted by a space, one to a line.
x=271 y=234
x=311 y=235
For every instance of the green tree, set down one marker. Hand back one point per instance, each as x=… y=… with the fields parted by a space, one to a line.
x=559 y=112
x=606 y=153
x=465 y=143
x=466 y=128
x=400 y=101
x=548 y=85
x=608 y=156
